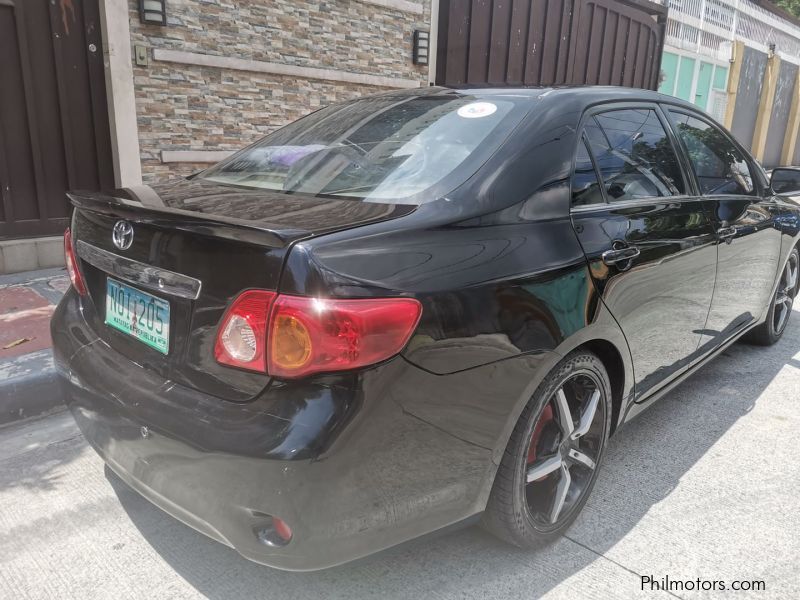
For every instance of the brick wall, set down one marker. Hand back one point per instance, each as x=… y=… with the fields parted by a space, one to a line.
x=188 y=107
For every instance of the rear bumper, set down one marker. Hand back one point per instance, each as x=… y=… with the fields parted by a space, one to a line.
x=345 y=461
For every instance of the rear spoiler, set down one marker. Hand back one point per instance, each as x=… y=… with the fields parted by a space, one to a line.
x=159 y=215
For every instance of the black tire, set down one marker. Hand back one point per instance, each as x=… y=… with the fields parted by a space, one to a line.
x=771 y=330
x=511 y=513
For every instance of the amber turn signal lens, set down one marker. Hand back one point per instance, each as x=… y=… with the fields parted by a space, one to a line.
x=291 y=342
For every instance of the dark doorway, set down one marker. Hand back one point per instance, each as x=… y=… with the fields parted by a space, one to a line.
x=54 y=132
x=550 y=42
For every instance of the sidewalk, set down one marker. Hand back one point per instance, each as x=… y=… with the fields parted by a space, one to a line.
x=27 y=378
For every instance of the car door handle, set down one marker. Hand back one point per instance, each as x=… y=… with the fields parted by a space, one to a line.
x=727 y=233
x=611 y=257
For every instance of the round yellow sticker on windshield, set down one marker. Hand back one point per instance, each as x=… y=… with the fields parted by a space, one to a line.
x=476 y=110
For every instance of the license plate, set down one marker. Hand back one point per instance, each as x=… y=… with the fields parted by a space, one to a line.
x=138 y=314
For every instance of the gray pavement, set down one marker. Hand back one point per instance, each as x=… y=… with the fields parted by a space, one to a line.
x=705 y=484
x=28 y=385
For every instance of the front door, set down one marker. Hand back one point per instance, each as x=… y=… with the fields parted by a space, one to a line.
x=749 y=244
x=649 y=242
x=54 y=132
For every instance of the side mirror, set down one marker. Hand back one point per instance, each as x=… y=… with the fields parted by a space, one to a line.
x=786 y=180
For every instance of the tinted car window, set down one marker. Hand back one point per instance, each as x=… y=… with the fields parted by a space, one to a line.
x=719 y=165
x=384 y=148
x=634 y=155
x=585 y=185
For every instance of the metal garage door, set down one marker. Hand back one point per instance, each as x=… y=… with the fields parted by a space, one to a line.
x=54 y=132
x=547 y=42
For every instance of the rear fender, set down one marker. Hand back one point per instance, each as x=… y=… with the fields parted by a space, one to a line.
x=605 y=330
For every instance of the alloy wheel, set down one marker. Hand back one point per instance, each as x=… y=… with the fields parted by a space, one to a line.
x=784 y=297
x=564 y=449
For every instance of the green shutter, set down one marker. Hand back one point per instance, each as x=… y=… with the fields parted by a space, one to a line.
x=703 y=85
x=669 y=66
x=720 y=78
x=685 y=78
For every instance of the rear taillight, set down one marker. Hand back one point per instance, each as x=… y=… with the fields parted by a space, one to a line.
x=241 y=340
x=72 y=264
x=311 y=335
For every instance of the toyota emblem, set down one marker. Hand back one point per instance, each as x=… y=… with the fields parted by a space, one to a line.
x=122 y=235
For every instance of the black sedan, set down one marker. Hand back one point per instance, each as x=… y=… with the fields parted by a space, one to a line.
x=414 y=310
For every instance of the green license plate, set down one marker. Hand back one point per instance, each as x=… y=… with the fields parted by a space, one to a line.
x=138 y=314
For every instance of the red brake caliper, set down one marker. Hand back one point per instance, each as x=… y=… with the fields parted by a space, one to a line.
x=544 y=419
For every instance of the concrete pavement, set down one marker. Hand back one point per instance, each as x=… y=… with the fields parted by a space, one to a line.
x=705 y=484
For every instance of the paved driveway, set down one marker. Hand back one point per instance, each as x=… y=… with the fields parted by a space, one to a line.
x=705 y=484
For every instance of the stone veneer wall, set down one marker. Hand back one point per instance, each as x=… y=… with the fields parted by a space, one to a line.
x=188 y=107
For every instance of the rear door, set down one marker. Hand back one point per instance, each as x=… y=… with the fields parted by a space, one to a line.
x=748 y=243
x=647 y=236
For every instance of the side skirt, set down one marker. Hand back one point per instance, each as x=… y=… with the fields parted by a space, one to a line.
x=636 y=408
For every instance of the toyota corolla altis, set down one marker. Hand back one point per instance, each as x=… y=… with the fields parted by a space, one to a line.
x=409 y=310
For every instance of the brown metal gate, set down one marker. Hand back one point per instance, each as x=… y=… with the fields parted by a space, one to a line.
x=550 y=42
x=54 y=132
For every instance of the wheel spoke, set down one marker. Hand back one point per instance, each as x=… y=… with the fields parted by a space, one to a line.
x=544 y=467
x=587 y=416
x=781 y=299
x=561 y=494
x=582 y=458
x=791 y=277
x=783 y=315
x=564 y=414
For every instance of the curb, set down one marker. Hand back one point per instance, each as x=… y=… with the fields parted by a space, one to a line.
x=28 y=387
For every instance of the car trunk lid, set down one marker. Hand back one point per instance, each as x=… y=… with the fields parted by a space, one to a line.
x=196 y=245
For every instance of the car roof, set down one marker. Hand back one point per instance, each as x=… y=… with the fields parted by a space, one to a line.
x=577 y=94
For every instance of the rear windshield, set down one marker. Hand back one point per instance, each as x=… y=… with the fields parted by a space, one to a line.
x=381 y=149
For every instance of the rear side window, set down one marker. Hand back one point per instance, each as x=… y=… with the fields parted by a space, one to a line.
x=718 y=164
x=634 y=155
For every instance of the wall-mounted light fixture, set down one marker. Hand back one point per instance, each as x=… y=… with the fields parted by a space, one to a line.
x=421 y=41
x=153 y=12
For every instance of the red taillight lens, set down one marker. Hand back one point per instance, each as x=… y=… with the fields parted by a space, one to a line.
x=72 y=264
x=309 y=335
x=241 y=339
x=293 y=336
